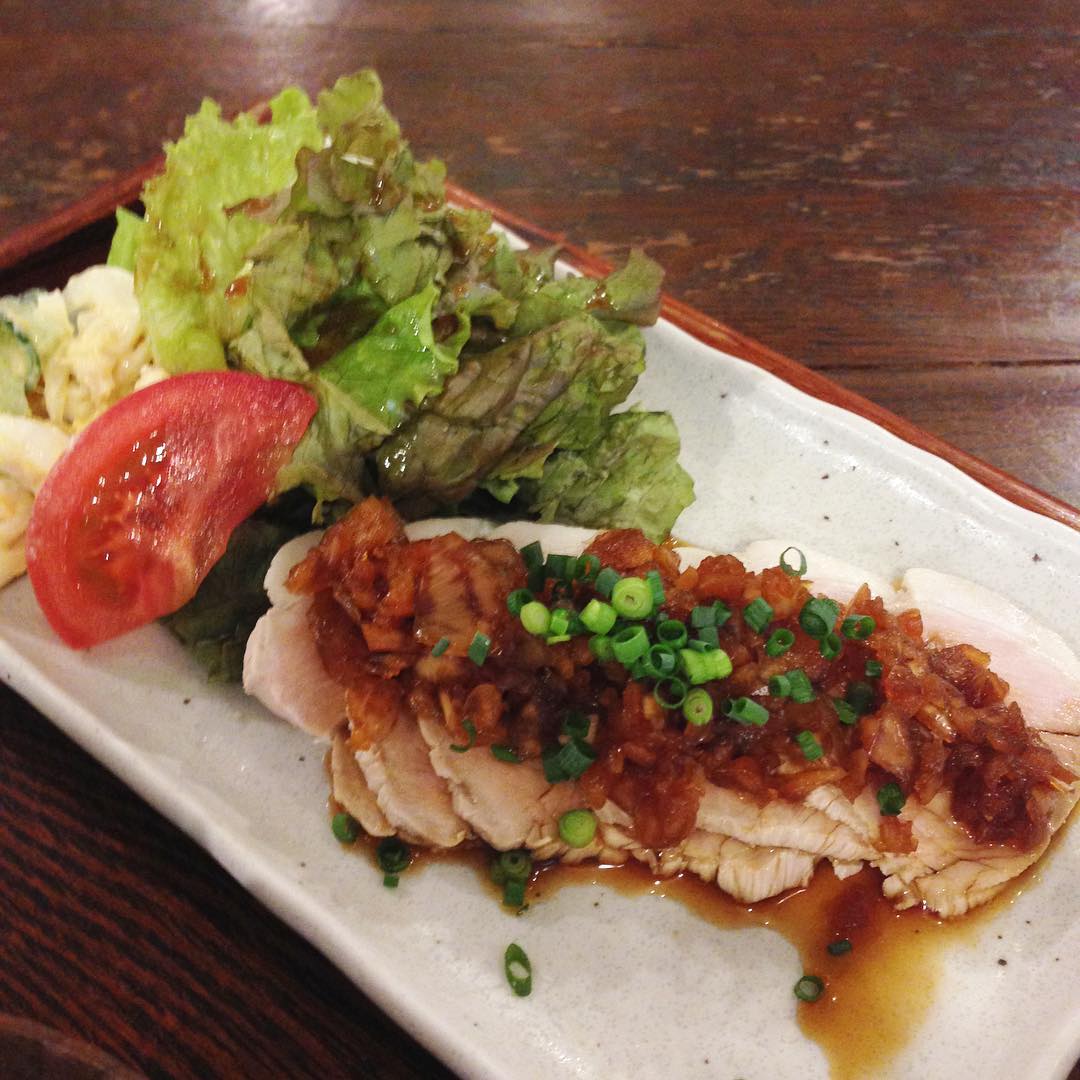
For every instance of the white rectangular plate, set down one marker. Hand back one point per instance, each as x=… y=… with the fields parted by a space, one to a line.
x=641 y=986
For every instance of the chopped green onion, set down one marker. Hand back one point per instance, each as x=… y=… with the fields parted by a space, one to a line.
x=891 y=799
x=390 y=880
x=588 y=566
x=632 y=598
x=758 y=614
x=801 y=689
x=721 y=612
x=744 y=711
x=535 y=617
x=858 y=627
x=600 y=647
x=470 y=732
x=518 y=970
x=860 y=696
x=838 y=948
x=533 y=555
x=656 y=587
x=779 y=642
x=670 y=693
x=576 y=725
x=873 y=669
x=703 y=667
x=660 y=661
x=830 y=646
x=672 y=632
x=558 y=567
x=567 y=762
x=517 y=600
x=809 y=988
x=818 y=617
x=708 y=636
x=809 y=745
x=345 y=828
x=780 y=686
x=598 y=616
x=514 y=894
x=698 y=707
x=392 y=855
x=790 y=570
x=504 y=753
x=606 y=581
x=479 y=649
x=557 y=639
x=845 y=713
x=440 y=646
x=511 y=866
x=703 y=616
x=560 y=622
x=578 y=827
x=629 y=644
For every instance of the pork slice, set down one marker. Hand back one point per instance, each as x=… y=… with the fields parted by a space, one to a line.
x=1042 y=671
x=283 y=670
x=414 y=798
x=744 y=871
x=779 y=824
x=350 y=789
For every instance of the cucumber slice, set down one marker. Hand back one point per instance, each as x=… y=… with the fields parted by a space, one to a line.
x=20 y=369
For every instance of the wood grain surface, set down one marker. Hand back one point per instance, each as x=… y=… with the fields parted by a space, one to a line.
x=886 y=192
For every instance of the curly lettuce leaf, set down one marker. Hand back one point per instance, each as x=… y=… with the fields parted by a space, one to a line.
x=125 y=242
x=204 y=215
x=630 y=478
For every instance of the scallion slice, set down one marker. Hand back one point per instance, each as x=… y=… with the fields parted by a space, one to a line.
x=779 y=642
x=819 y=616
x=838 y=948
x=708 y=636
x=698 y=707
x=809 y=988
x=533 y=556
x=470 y=734
x=809 y=745
x=517 y=600
x=632 y=598
x=703 y=616
x=559 y=567
x=606 y=581
x=660 y=661
x=670 y=693
x=874 y=669
x=600 y=647
x=780 y=686
x=588 y=566
x=629 y=644
x=845 y=713
x=857 y=627
x=504 y=753
x=513 y=865
x=514 y=894
x=790 y=570
x=672 y=632
x=891 y=799
x=567 y=762
x=440 y=646
x=758 y=614
x=560 y=622
x=656 y=587
x=830 y=645
x=479 y=648
x=577 y=828
x=535 y=617
x=721 y=612
x=345 y=828
x=393 y=855
x=744 y=711
x=802 y=691
x=518 y=970
x=576 y=725
x=598 y=617
x=860 y=696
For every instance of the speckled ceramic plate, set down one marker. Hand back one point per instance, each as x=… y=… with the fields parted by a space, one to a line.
x=642 y=987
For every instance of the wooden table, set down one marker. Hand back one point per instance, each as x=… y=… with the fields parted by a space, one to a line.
x=885 y=192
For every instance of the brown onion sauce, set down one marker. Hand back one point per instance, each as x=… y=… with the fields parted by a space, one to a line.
x=876 y=996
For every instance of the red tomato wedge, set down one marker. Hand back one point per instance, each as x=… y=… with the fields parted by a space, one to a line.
x=131 y=519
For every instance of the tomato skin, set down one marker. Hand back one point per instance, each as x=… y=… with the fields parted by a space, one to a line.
x=131 y=519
